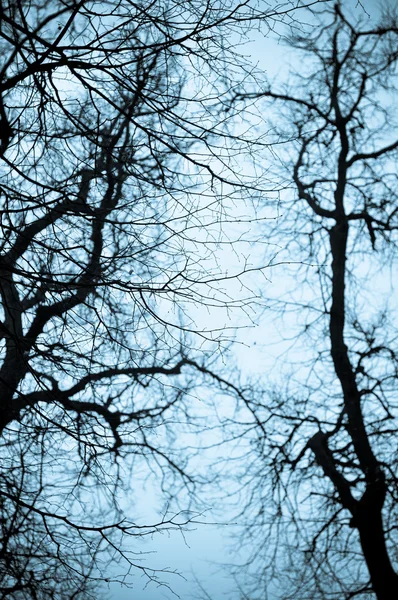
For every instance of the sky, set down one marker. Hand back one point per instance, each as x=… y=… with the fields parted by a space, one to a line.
x=199 y=554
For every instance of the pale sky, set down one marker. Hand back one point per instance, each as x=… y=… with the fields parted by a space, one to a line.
x=206 y=546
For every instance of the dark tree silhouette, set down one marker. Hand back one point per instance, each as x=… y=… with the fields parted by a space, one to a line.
x=322 y=510
x=115 y=159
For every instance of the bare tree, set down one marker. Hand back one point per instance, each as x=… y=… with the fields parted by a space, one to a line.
x=115 y=158
x=321 y=514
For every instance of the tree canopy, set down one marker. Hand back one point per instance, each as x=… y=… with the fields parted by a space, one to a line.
x=321 y=472
x=114 y=158
x=130 y=147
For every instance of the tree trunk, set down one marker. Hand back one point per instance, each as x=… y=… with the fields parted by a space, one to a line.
x=367 y=513
x=383 y=577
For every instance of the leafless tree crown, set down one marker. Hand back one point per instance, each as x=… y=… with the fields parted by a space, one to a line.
x=322 y=510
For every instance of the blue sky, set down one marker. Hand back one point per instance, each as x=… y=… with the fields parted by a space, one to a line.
x=198 y=553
